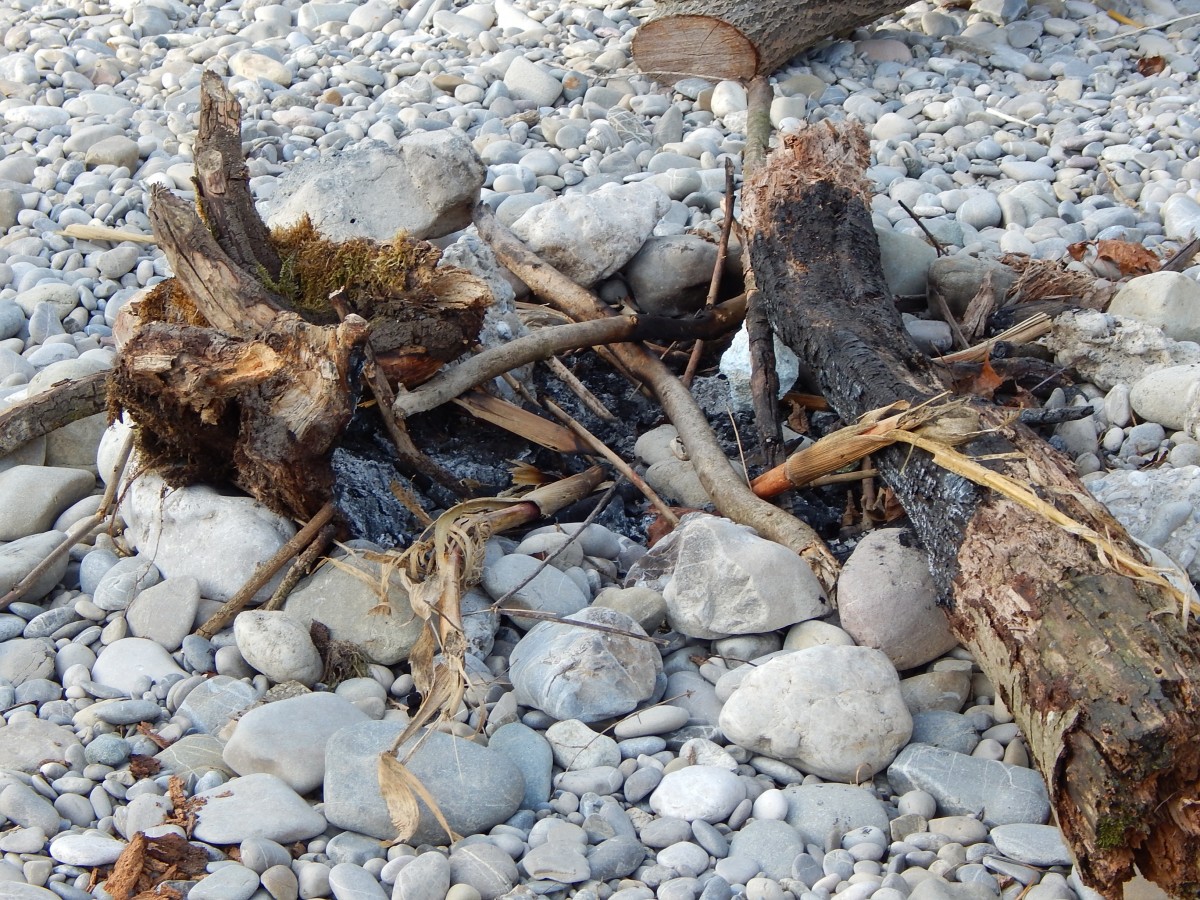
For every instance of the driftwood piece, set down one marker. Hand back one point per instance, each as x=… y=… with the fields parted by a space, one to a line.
x=223 y=181
x=735 y=39
x=59 y=405
x=240 y=369
x=1097 y=670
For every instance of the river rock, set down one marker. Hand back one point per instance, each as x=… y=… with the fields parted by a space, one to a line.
x=819 y=810
x=590 y=236
x=165 y=612
x=22 y=556
x=573 y=672
x=669 y=276
x=782 y=709
x=887 y=599
x=287 y=738
x=26 y=659
x=1034 y=845
x=277 y=645
x=475 y=788
x=344 y=596
x=698 y=792
x=211 y=704
x=1170 y=300
x=199 y=532
x=727 y=580
x=31 y=497
x=967 y=785
x=125 y=663
x=27 y=743
x=958 y=277
x=353 y=193
x=1169 y=396
x=549 y=591
x=255 y=806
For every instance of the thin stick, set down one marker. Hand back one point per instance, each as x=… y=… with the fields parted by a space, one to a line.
x=594 y=626
x=78 y=531
x=571 y=539
x=613 y=458
x=943 y=308
x=586 y=397
x=714 y=283
x=302 y=565
x=266 y=572
x=937 y=245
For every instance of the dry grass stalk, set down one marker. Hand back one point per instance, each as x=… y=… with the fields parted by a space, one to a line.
x=436 y=570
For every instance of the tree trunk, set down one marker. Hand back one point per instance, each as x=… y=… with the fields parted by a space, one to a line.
x=735 y=39
x=1097 y=672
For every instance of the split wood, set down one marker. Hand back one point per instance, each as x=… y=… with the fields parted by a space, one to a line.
x=732 y=497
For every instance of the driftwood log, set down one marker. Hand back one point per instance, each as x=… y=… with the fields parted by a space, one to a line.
x=734 y=39
x=1098 y=671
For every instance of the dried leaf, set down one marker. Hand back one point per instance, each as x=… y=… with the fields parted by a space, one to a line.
x=1151 y=65
x=1130 y=258
x=401 y=802
x=525 y=474
x=984 y=383
x=402 y=789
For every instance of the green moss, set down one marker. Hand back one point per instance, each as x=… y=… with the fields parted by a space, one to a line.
x=314 y=267
x=1112 y=831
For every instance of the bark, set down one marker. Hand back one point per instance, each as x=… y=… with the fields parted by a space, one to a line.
x=1096 y=670
x=734 y=39
x=53 y=408
x=223 y=181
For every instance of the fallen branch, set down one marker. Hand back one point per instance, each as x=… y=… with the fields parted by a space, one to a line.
x=732 y=497
x=1043 y=585
x=545 y=343
x=61 y=404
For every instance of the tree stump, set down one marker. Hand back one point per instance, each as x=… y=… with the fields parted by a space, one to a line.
x=239 y=369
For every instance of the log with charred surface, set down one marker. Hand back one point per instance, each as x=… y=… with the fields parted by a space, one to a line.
x=1102 y=677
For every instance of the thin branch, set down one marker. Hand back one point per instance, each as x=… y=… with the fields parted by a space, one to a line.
x=266 y=572
x=614 y=458
x=605 y=498
x=586 y=397
x=547 y=342
x=714 y=283
x=300 y=567
x=594 y=626
x=937 y=245
x=78 y=531
x=64 y=403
